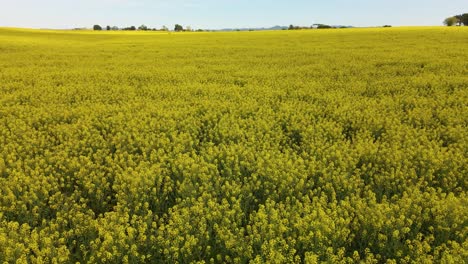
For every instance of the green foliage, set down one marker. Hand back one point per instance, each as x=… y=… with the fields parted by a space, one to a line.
x=142 y=27
x=97 y=27
x=323 y=26
x=464 y=19
x=245 y=147
x=450 y=21
x=131 y=28
x=178 y=27
x=459 y=20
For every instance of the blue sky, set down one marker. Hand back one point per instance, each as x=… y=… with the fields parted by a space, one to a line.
x=214 y=14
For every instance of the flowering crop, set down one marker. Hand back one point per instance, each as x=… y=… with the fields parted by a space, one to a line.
x=339 y=146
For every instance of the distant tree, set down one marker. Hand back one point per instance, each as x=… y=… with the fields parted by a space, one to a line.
x=178 y=27
x=387 y=26
x=323 y=26
x=108 y=28
x=459 y=19
x=143 y=27
x=129 y=28
x=164 y=28
x=292 y=27
x=464 y=19
x=115 y=28
x=450 y=21
x=97 y=27
x=188 y=28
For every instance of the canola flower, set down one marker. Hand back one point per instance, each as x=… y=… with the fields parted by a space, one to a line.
x=335 y=146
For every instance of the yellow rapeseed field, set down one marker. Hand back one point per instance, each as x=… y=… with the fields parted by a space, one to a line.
x=337 y=146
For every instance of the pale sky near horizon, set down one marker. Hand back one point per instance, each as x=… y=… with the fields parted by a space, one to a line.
x=216 y=14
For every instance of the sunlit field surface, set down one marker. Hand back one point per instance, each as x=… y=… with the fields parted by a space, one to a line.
x=304 y=146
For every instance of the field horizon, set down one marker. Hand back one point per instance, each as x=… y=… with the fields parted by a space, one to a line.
x=90 y=29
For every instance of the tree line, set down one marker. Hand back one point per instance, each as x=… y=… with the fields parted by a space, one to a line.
x=319 y=26
x=177 y=28
x=458 y=20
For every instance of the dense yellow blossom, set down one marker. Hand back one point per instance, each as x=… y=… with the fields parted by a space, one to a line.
x=337 y=146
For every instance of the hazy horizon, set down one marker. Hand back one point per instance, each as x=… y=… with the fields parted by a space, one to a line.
x=211 y=14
